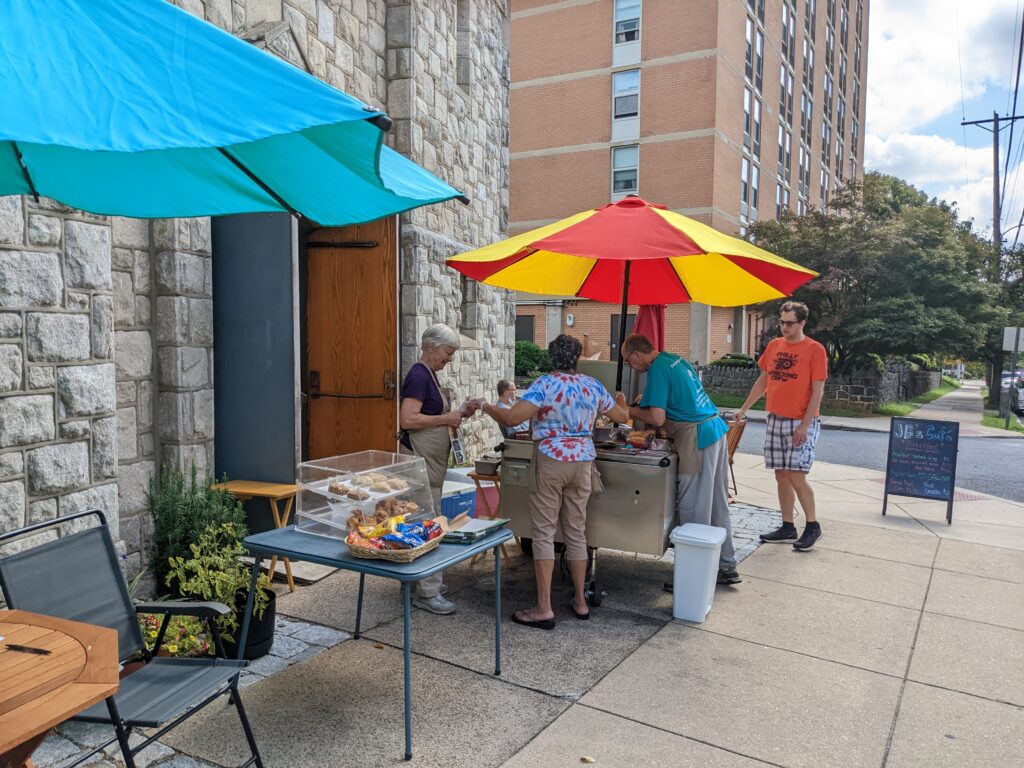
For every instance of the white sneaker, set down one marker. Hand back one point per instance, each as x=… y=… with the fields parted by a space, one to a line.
x=435 y=604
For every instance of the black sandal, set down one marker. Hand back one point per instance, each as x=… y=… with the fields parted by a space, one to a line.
x=572 y=607
x=539 y=623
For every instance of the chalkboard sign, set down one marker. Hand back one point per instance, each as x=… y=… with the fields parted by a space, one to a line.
x=922 y=460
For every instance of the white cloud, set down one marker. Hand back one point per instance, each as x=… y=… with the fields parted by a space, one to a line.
x=925 y=159
x=914 y=70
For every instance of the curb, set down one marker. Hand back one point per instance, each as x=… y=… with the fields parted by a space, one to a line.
x=850 y=428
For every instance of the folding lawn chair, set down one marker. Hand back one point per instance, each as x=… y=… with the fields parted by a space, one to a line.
x=736 y=427
x=77 y=577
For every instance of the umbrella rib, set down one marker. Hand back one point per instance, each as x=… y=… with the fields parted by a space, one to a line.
x=589 y=273
x=262 y=185
x=25 y=172
x=681 y=283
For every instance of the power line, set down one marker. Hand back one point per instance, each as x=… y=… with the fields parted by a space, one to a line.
x=1013 y=110
x=963 y=110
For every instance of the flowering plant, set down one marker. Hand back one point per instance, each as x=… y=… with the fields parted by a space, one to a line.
x=185 y=636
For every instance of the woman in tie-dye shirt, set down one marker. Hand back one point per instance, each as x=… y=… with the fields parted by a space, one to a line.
x=563 y=405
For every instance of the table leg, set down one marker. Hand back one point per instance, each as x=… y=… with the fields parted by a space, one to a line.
x=359 y=605
x=280 y=522
x=497 y=611
x=408 y=676
x=257 y=563
x=21 y=755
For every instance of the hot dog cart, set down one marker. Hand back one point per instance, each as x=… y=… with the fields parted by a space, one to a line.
x=635 y=513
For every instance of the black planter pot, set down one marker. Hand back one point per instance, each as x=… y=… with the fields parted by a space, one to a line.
x=261 y=631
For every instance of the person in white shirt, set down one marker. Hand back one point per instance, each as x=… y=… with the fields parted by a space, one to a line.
x=506 y=399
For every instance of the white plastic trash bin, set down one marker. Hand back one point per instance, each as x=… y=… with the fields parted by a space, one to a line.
x=696 y=571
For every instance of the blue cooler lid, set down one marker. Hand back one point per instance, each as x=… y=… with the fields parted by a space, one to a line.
x=697 y=535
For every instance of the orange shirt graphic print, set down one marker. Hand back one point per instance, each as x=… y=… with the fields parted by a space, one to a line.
x=790 y=369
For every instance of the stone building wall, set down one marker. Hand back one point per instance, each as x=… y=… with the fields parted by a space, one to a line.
x=106 y=323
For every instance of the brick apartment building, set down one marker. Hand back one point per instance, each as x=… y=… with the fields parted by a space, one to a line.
x=727 y=111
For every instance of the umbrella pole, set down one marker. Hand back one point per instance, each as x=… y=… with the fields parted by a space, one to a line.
x=622 y=327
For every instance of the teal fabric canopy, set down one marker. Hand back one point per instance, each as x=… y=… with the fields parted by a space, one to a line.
x=141 y=109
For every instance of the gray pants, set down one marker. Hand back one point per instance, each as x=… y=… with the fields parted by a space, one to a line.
x=704 y=497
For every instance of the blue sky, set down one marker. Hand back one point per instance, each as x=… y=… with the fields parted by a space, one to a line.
x=930 y=63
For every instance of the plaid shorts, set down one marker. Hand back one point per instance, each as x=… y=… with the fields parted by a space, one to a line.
x=779 y=452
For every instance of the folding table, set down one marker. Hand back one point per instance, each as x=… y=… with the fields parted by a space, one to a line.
x=298 y=545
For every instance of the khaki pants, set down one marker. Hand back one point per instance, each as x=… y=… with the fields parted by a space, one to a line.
x=563 y=489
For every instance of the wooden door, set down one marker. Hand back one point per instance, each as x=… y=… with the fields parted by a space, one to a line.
x=352 y=338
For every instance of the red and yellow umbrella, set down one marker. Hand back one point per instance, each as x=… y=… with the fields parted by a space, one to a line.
x=634 y=252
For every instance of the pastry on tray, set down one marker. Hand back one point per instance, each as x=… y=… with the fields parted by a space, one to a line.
x=398 y=484
x=380 y=487
x=358 y=494
x=360 y=480
x=338 y=487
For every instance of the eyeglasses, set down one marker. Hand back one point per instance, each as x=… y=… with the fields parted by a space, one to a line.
x=626 y=359
x=787 y=323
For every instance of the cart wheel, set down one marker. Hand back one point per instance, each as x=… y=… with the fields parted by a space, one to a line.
x=527 y=546
x=594 y=594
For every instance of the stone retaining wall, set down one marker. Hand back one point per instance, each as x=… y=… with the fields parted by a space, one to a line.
x=858 y=390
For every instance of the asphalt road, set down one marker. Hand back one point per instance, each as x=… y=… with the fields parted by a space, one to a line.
x=989 y=465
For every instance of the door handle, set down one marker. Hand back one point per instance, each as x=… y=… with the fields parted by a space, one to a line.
x=389 y=385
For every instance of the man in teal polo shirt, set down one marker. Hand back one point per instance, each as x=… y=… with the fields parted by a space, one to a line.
x=675 y=400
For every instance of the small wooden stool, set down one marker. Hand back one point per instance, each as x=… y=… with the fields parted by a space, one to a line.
x=491 y=513
x=244 y=490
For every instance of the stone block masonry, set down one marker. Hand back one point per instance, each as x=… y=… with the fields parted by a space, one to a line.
x=106 y=323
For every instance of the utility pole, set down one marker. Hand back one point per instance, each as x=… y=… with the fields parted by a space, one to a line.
x=997 y=236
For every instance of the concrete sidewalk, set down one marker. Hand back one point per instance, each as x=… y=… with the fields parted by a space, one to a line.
x=963 y=405
x=896 y=641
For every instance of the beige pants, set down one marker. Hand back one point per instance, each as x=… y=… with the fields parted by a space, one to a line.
x=563 y=489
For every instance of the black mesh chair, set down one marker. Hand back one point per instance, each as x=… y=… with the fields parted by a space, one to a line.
x=77 y=577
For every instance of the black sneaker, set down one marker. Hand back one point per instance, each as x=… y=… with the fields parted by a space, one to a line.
x=728 y=576
x=807 y=538
x=785 y=532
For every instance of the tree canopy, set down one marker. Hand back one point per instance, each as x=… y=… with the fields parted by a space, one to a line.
x=899 y=273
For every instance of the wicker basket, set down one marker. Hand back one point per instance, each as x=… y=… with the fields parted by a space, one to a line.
x=394 y=555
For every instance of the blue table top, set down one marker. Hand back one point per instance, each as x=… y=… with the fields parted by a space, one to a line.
x=299 y=545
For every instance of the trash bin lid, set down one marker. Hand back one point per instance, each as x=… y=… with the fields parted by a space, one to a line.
x=697 y=535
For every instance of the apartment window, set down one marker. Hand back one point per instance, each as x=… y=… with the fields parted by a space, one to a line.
x=758 y=59
x=748 y=116
x=785 y=159
x=627 y=21
x=839 y=159
x=806 y=115
x=860 y=16
x=842 y=71
x=749 y=60
x=625 y=170
x=808 y=64
x=801 y=207
x=744 y=188
x=781 y=199
x=785 y=93
x=856 y=97
x=626 y=93
x=854 y=130
x=830 y=10
x=841 y=115
x=810 y=18
x=830 y=46
x=824 y=188
x=804 y=175
x=788 y=35
x=826 y=92
x=755 y=181
x=844 y=26
x=826 y=143
x=856 y=58
x=755 y=130
x=757 y=6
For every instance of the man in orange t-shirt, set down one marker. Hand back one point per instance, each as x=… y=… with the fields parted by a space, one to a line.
x=793 y=372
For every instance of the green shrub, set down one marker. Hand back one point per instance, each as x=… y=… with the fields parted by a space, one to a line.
x=974 y=370
x=735 y=360
x=867 y=361
x=531 y=358
x=924 y=362
x=212 y=569
x=182 y=510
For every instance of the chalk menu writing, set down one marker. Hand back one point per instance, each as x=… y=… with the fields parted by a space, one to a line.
x=922 y=458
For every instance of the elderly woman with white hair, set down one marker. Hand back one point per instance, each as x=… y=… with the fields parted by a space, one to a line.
x=426 y=418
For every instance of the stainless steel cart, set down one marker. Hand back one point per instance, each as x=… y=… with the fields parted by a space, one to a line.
x=636 y=512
